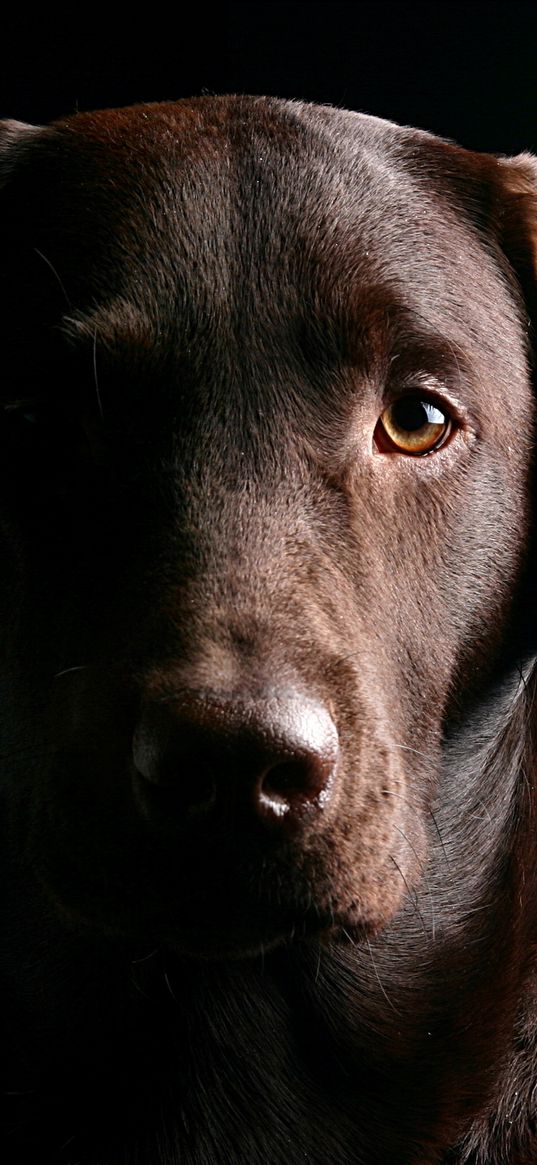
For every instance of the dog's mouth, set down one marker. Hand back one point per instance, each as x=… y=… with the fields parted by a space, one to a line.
x=212 y=912
x=245 y=933
x=226 y=891
x=240 y=929
x=207 y=908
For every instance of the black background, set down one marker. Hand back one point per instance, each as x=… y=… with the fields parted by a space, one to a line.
x=465 y=71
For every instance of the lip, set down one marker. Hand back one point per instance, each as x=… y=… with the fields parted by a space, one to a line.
x=223 y=944
x=206 y=913
x=192 y=933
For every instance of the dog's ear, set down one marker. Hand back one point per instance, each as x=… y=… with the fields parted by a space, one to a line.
x=515 y=228
x=20 y=263
x=499 y=195
x=16 y=138
x=516 y=224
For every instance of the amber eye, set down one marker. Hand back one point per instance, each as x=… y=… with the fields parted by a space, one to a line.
x=412 y=425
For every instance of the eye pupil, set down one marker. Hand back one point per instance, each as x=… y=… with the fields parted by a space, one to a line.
x=410 y=414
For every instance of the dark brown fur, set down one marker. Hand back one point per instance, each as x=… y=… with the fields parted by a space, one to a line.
x=206 y=307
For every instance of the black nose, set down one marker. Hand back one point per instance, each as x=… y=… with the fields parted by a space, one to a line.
x=274 y=755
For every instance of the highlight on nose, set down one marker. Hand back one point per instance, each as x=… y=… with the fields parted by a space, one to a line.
x=273 y=754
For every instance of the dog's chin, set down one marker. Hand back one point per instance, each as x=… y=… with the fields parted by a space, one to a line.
x=214 y=943
x=232 y=947
x=211 y=913
x=217 y=947
x=246 y=931
x=203 y=937
x=210 y=942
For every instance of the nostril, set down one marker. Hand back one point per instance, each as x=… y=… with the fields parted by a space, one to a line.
x=179 y=796
x=283 y=779
x=296 y=785
x=280 y=788
x=175 y=772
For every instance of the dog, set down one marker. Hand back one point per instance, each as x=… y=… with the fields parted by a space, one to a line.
x=268 y=641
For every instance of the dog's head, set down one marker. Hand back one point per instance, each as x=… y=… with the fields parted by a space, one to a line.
x=266 y=442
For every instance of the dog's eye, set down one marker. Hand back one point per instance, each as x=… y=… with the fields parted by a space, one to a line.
x=412 y=425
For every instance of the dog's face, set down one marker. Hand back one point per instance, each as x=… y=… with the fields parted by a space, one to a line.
x=266 y=474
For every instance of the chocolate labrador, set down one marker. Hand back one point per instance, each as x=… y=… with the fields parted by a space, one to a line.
x=268 y=641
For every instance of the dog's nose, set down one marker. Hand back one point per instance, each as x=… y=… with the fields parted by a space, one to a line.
x=274 y=756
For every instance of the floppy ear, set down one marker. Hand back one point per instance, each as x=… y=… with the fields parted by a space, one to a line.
x=15 y=139
x=516 y=226
x=515 y=223
x=19 y=257
x=499 y=196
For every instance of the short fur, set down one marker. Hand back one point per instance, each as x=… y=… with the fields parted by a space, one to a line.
x=206 y=308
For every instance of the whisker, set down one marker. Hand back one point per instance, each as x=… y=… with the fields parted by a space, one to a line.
x=412 y=895
x=410 y=802
x=67 y=1143
x=416 y=805
x=170 y=988
x=440 y=838
x=96 y=377
x=486 y=812
x=425 y=878
x=375 y=968
x=65 y=671
x=145 y=958
x=137 y=986
x=55 y=273
x=418 y=751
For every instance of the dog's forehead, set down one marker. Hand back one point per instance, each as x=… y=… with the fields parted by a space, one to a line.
x=209 y=191
x=213 y=223
x=219 y=190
